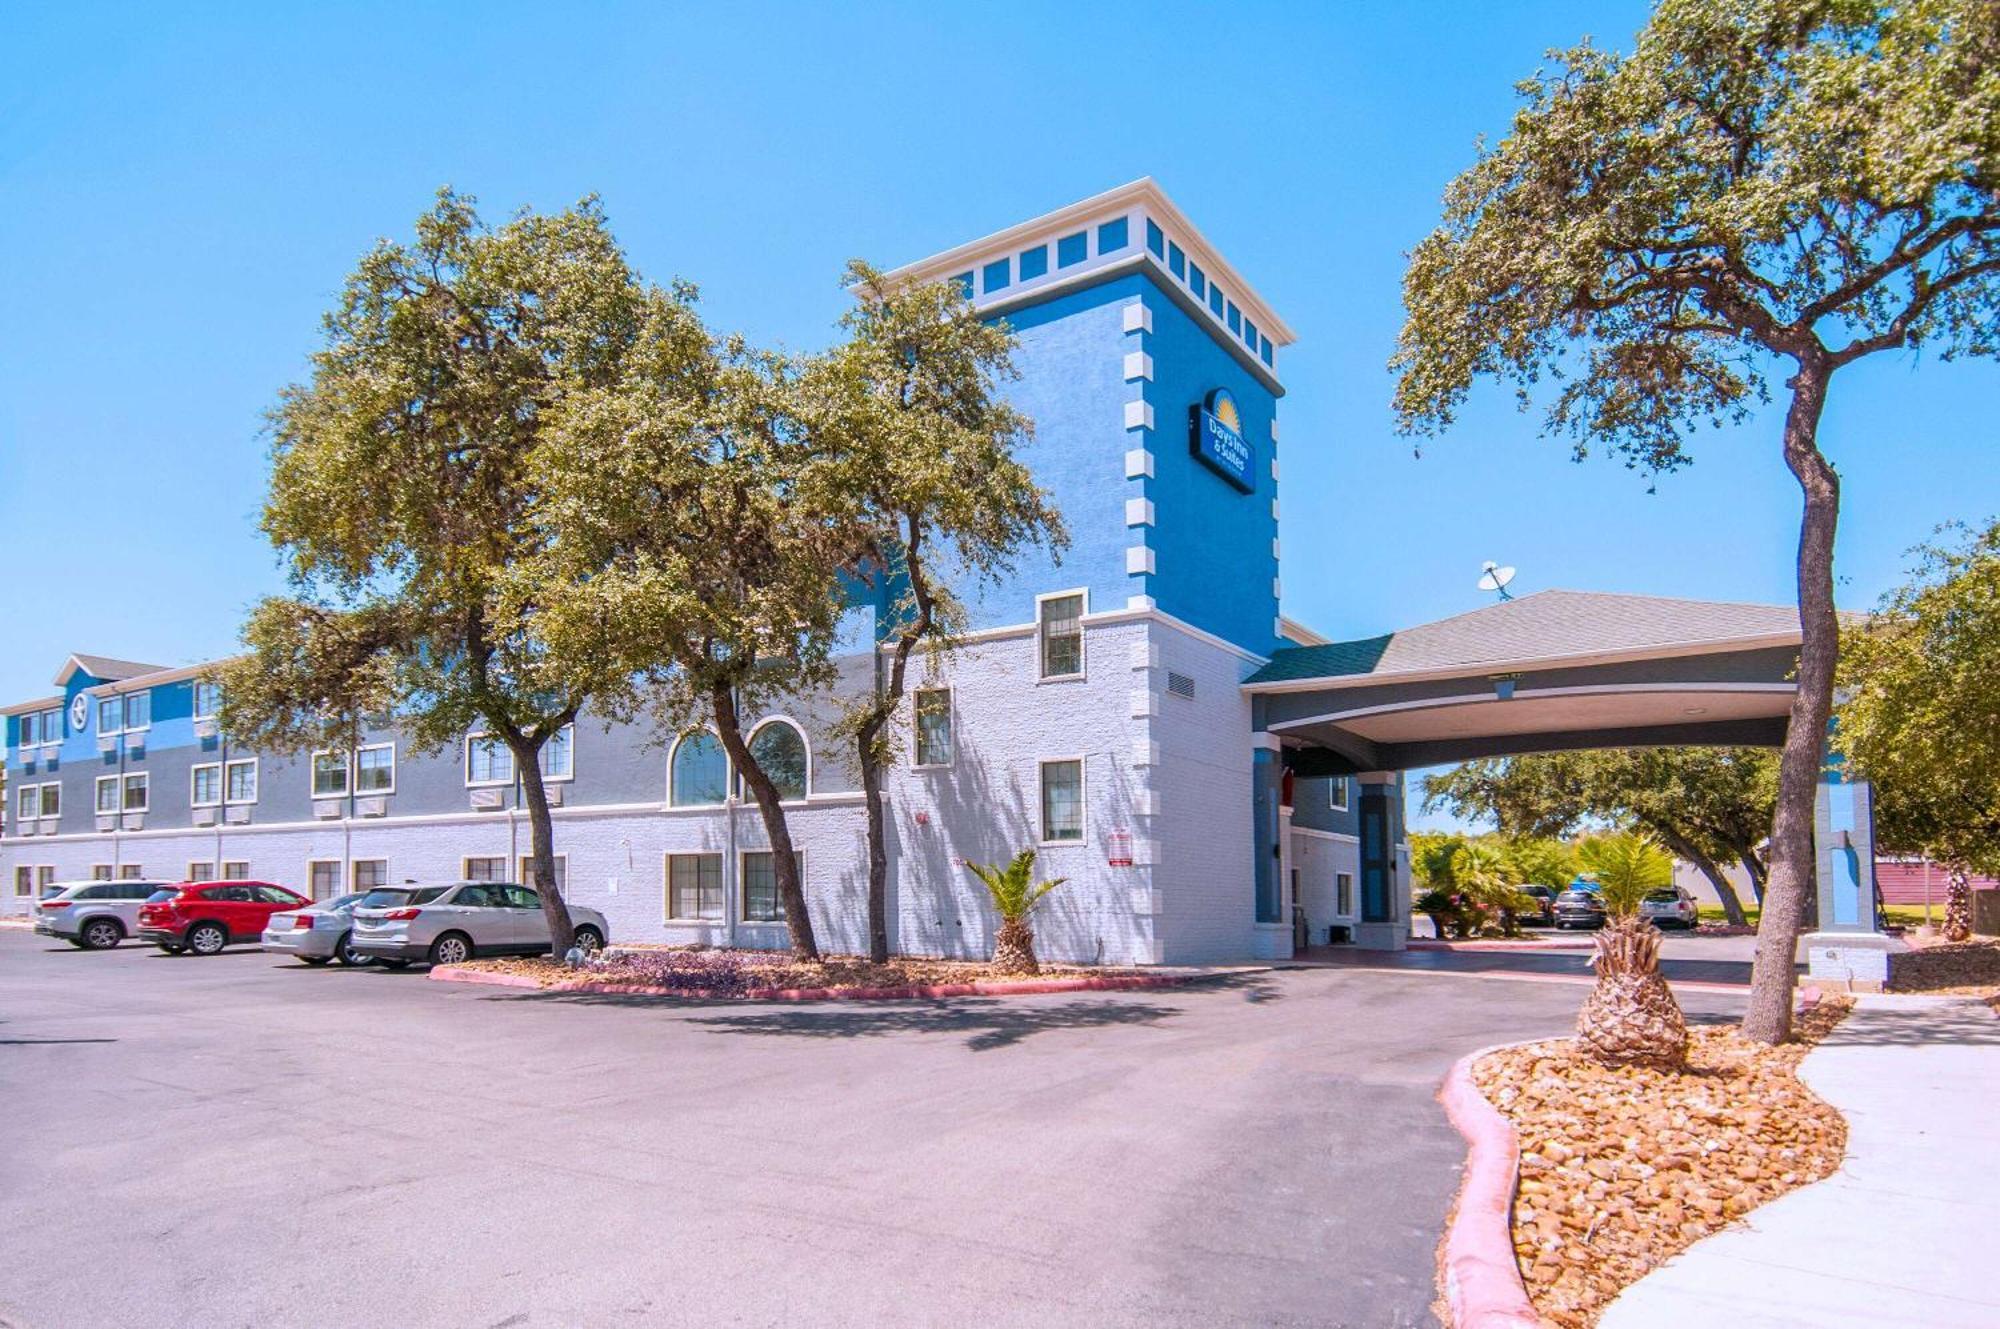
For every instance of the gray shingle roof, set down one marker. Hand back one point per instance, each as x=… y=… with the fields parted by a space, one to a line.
x=105 y=668
x=1545 y=625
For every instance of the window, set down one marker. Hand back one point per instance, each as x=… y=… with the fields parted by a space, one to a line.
x=370 y=873
x=1343 y=893
x=698 y=773
x=694 y=886
x=110 y=715
x=323 y=877
x=1265 y=350
x=527 y=873
x=780 y=752
x=933 y=713
x=1061 y=635
x=52 y=726
x=1072 y=249
x=1156 y=239
x=51 y=799
x=201 y=870
x=236 y=870
x=964 y=280
x=27 y=804
x=375 y=769
x=559 y=754
x=137 y=792
x=45 y=877
x=132 y=872
x=1197 y=280
x=487 y=761
x=485 y=869
x=24 y=881
x=329 y=774
x=101 y=872
x=1250 y=333
x=1235 y=318
x=760 y=886
x=995 y=275
x=1062 y=801
x=205 y=785
x=31 y=727
x=1176 y=260
x=1034 y=262
x=1336 y=793
x=207 y=701
x=1215 y=300
x=138 y=710
x=107 y=795
x=1112 y=236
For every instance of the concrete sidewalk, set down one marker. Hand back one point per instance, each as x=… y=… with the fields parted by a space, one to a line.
x=1902 y=1233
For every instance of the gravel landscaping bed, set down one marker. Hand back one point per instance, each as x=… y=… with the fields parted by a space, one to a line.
x=719 y=972
x=1623 y=1168
x=1964 y=968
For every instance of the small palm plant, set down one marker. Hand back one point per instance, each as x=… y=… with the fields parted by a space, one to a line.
x=1015 y=894
x=1630 y=1017
x=1490 y=880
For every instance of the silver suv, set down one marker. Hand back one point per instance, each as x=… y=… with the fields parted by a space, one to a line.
x=92 y=915
x=457 y=921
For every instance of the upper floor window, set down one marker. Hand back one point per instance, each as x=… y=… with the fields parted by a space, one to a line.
x=375 y=769
x=31 y=725
x=1112 y=236
x=239 y=783
x=933 y=715
x=1061 y=631
x=110 y=715
x=780 y=752
x=52 y=726
x=329 y=774
x=107 y=793
x=26 y=804
x=134 y=710
x=1337 y=793
x=204 y=786
x=207 y=700
x=137 y=792
x=489 y=761
x=698 y=772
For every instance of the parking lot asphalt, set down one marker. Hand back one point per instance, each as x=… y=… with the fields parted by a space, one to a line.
x=242 y=1140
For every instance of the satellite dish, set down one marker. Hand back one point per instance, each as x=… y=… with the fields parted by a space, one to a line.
x=1493 y=577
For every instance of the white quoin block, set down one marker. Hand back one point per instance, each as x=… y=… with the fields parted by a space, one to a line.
x=1138 y=463
x=1138 y=512
x=1138 y=318
x=1138 y=415
x=1139 y=560
x=1138 y=365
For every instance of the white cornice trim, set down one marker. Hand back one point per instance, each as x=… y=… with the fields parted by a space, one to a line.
x=1535 y=694
x=1487 y=668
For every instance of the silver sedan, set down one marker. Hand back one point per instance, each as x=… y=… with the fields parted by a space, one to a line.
x=320 y=932
x=451 y=923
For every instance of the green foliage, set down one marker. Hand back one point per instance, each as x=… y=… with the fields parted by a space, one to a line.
x=1433 y=855
x=1540 y=861
x=1013 y=888
x=1922 y=711
x=1625 y=867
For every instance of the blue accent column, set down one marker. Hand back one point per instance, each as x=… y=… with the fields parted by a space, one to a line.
x=1378 y=853
x=1266 y=782
x=1844 y=844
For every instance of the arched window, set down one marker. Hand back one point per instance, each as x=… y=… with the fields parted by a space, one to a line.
x=698 y=772
x=780 y=751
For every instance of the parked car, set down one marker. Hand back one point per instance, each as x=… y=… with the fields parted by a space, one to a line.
x=445 y=924
x=322 y=931
x=1579 y=909
x=92 y=915
x=205 y=916
x=1543 y=915
x=1670 y=908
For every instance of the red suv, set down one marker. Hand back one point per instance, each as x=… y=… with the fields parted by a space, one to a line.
x=205 y=916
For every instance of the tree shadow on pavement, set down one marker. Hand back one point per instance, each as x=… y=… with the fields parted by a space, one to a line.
x=988 y=1023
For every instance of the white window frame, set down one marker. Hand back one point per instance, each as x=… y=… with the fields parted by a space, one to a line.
x=28 y=804
x=1337 y=796
x=1349 y=911
x=346 y=778
x=145 y=779
x=117 y=796
x=804 y=738
x=1082 y=595
x=125 y=711
x=22 y=724
x=359 y=792
x=950 y=728
x=476 y=736
x=193 y=771
x=117 y=701
x=50 y=738
x=548 y=776
x=42 y=812
x=743 y=918
x=526 y=861
x=211 y=875
x=256 y=781
x=194 y=703
x=728 y=771
x=1082 y=801
x=667 y=914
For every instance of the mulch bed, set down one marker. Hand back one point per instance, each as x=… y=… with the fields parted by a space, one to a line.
x=718 y=971
x=1622 y=1168
x=1969 y=968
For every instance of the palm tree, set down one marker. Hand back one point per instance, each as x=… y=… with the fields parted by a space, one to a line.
x=1488 y=877
x=1630 y=1017
x=1015 y=895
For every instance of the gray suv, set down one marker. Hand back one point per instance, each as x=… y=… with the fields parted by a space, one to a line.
x=457 y=921
x=92 y=915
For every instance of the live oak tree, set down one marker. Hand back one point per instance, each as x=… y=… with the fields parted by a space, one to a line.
x=694 y=517
x=1763 y=191
x=1705 y=805
x=936 y=494
x=403 y=496
x=1921 y=712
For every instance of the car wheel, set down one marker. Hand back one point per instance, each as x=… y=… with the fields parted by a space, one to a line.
x=344 y=949
x=101 y=934
x=451 y=948
x=207 y=938
x=315 y=960
x=588 y=939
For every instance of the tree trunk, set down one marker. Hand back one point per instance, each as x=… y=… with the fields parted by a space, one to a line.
x=784 y=860
x=1755 y=867
x=1725 y=890
x=867 y=743
x=1768 y=1018
x=541 y=845
x=1957 y=904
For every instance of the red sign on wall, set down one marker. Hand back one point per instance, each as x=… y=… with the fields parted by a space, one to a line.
x=1118 y=849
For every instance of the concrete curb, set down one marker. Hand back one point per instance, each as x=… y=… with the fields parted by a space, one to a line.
x=1496 y=947
x=1017 y=988
x=1482 y=1281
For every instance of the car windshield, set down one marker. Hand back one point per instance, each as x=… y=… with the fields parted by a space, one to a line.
x=347 y=901
x=1662 y=897
x=388 y=897
x=164 y=894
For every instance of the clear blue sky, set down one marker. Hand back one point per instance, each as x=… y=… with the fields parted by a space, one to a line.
x=186 y=186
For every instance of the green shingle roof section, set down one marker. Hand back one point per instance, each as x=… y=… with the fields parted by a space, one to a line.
x=1548 y=625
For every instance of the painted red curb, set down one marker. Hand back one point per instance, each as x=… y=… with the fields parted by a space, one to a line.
x=1011 y=988
x=1482 y=1281
x=1431 y=944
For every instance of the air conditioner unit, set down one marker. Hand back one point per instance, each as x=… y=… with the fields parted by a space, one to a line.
x=236 y=816
x=50 y=826
x=107 y=742
x=487 y=800
x=204 y=816
x=377 y=806
x=135 y=821
x=109 y=821
x=207 y=726
x=555 y=794
x=327 y=809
